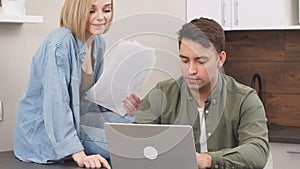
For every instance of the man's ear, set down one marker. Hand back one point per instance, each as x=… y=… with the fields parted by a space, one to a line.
x=222 y=58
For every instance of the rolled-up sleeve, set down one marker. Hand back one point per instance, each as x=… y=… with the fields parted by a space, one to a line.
x=59 y=116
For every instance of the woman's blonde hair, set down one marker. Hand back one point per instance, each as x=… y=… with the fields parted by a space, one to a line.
x=75 y=15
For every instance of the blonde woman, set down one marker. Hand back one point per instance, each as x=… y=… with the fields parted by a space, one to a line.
x=54 y=121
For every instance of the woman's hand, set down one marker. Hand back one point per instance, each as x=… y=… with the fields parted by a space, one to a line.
x=131 y=104
x=91 y=161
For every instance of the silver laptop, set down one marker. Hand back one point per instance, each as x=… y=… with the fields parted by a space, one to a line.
x=145 y=146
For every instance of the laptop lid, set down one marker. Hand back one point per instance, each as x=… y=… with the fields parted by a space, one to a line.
x=148 y=146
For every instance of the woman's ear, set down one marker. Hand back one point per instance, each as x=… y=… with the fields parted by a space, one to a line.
x=222 y=58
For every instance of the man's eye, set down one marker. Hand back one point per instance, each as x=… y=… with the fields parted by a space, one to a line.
x=201 y=61
x=184 y=61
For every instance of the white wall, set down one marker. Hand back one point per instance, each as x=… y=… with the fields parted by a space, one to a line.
x=18 y=42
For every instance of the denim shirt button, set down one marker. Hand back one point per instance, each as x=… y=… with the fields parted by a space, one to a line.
x=214 y=101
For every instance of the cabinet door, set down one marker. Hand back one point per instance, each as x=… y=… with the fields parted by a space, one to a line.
x=261 y=14
x=285 y=155
x=219 y=10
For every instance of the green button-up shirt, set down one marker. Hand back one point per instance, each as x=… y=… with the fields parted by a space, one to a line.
x=236 y=129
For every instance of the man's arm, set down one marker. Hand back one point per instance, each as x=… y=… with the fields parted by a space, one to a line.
x=204 y=160
x=151 y=107
x=253 y=147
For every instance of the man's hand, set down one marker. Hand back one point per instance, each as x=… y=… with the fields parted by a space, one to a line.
x=131 y=104
x=92 y=161
x=204 y=160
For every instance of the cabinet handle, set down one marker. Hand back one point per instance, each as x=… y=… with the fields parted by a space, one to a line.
x=293 y=152
x=223 y=13
x=236 y=12
x=1 y=112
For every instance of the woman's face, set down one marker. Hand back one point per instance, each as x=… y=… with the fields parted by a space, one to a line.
x=100 y=17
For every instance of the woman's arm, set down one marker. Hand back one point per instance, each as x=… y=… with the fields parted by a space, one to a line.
x=59 y=105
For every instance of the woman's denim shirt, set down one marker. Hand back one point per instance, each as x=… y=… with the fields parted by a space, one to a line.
x=47 y=124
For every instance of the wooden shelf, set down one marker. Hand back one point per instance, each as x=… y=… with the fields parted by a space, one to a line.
x=19 y=18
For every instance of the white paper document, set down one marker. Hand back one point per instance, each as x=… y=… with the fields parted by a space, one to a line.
x=126 y=72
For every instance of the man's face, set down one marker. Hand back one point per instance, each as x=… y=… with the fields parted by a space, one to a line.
x=199 y=65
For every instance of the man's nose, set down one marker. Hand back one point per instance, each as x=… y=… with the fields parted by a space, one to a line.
x=192 y=68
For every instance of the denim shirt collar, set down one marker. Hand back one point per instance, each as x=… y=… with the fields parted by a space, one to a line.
x=81 y=49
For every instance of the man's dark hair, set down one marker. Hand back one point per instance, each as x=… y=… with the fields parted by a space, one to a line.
x=204 y=31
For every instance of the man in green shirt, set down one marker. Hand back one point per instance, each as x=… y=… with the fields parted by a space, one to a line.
x=228 y=118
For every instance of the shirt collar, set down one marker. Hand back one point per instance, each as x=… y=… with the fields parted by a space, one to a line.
x=216 y=93
x=81 y=48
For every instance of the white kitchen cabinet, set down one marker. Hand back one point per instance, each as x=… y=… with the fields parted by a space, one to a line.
x=246 y=14
x=285 y=155
x=219 y=10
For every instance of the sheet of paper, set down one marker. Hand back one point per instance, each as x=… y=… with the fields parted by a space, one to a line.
x=126 y=72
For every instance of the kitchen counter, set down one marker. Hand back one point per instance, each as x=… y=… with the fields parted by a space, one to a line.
x=284 y=134
x=9 y=161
